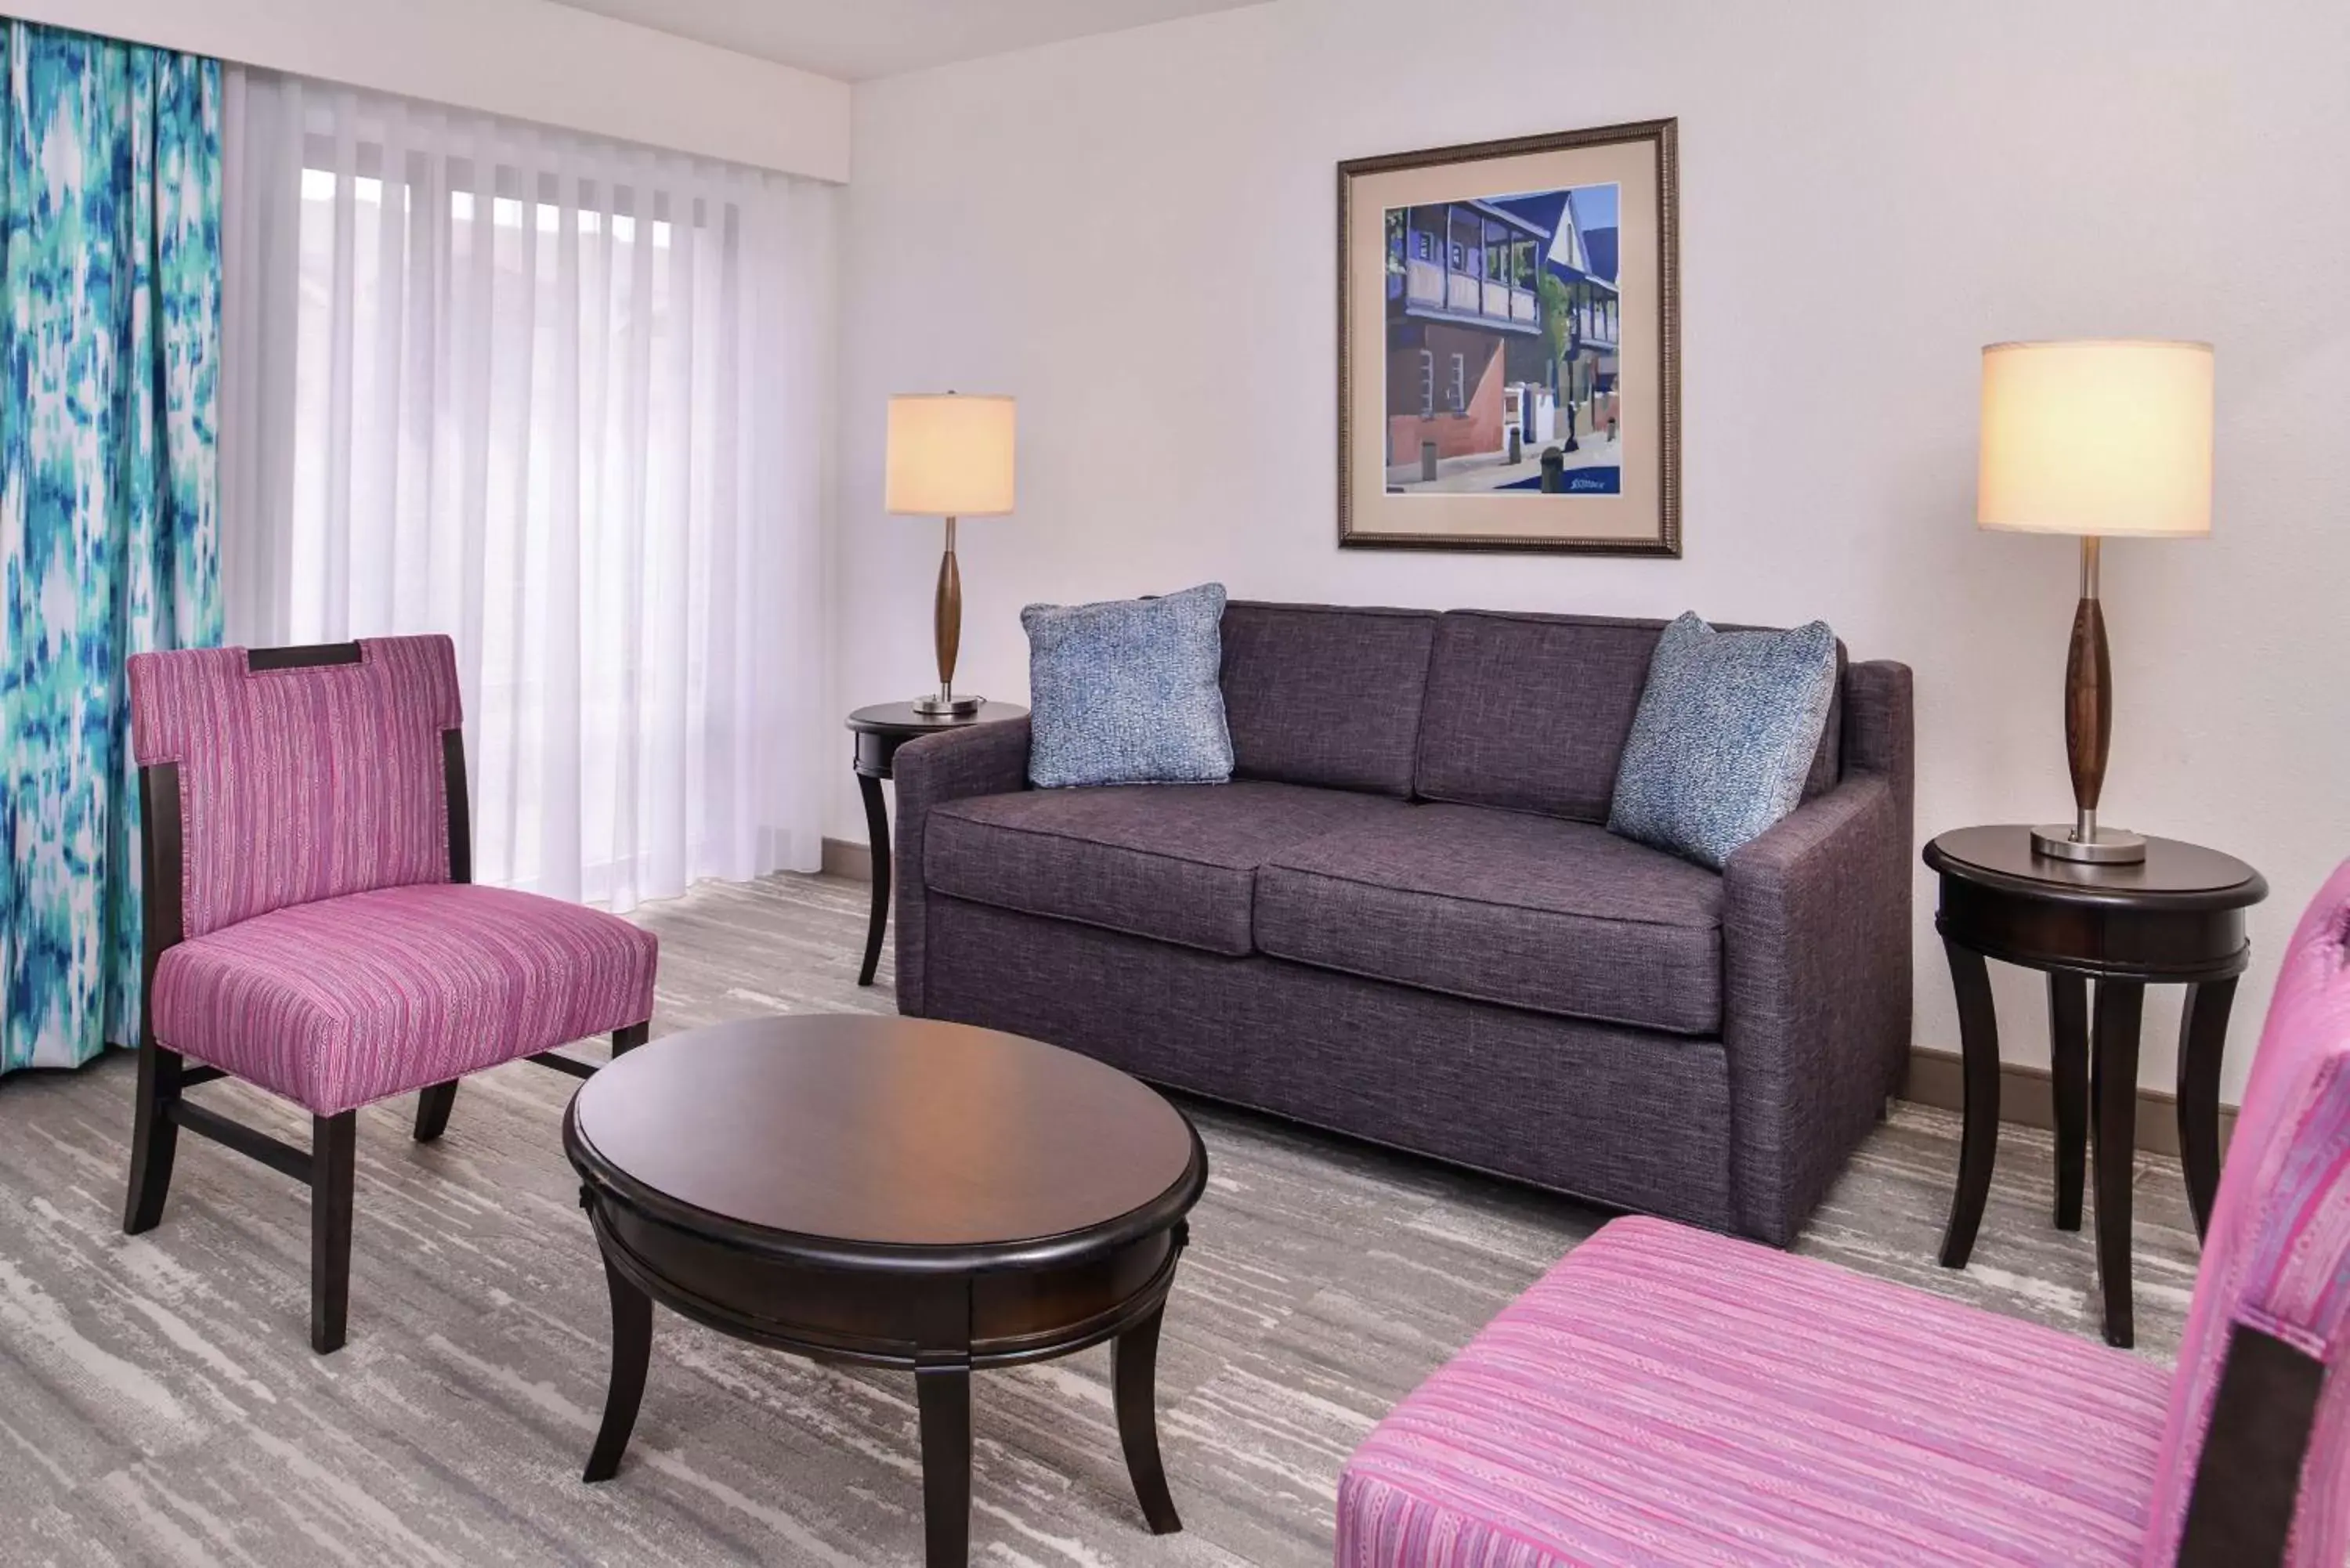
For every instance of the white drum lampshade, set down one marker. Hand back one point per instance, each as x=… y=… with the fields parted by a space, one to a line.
x=2101 y=438
x=950 y=455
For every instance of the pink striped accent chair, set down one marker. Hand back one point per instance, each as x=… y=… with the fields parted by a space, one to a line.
x=1667 y=1395
x=311 y=925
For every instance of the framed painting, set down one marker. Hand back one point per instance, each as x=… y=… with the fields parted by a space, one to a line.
x=1509 y=346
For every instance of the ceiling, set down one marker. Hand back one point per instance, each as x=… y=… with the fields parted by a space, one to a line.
x=855 y=40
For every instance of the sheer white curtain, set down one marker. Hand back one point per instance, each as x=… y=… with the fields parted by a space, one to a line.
x=567 y=401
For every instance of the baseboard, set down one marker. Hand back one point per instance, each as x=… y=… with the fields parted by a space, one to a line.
x=2027 y=1099
x=842 y=859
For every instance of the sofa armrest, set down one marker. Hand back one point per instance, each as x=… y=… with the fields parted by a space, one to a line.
x=1816 y=994
x=956 y=764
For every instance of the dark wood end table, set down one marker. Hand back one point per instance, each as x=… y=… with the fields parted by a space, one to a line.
x=894 y=1192
x=880 y=730
x=2176 y=917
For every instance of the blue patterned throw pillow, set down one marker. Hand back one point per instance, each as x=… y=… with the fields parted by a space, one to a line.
x=1724 y=736
x=1126 y=692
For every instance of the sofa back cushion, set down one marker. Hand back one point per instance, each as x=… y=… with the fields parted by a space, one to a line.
x=1317 y=694
x=1530 y=712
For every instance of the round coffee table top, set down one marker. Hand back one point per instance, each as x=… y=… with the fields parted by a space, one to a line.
x=2174 y=874
x=877 y=1135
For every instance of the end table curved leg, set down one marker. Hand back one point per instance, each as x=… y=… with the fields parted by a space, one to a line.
x=1134 y=1369
x=632 y=1349
x=942 y=1395
x=2114 y=1087
x=2068 y=1041
x=1979 y=1142
x=2202 y=1046
x=876 y=836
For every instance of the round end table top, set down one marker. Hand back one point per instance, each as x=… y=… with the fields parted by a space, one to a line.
x=887 y=1134
x=886 y=716
x=2173 y=874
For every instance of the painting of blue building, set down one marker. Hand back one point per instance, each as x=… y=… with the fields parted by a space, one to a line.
x=1501 y=343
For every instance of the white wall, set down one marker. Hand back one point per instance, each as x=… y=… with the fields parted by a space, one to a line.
x=530 y=59
x=1134 y=233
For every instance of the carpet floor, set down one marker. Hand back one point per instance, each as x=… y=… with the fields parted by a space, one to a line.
x=158 y=1401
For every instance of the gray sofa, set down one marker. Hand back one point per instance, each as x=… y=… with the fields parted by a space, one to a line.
x=1405 y=921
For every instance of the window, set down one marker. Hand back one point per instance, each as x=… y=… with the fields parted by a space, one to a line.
x=1426 y=384
x=1460 y=388
x=555 y=399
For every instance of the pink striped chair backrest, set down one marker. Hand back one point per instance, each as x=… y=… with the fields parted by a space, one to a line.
x=305 y=784
x=2278 y=1255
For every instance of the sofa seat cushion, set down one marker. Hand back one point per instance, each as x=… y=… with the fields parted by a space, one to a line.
x=1667 y=1395
x=1177 y=862
x=1496 y=906
x=337 y=1005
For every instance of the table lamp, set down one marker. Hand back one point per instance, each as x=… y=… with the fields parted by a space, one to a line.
x=950 y=455
x=2094 y=438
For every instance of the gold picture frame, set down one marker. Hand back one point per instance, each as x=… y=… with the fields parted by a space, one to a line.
x=1509 y=345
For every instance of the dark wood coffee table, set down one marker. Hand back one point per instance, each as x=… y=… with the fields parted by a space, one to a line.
x=895 y=1192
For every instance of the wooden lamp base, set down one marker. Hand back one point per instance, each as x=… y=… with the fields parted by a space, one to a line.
x=946 y=620
x=2088 y=734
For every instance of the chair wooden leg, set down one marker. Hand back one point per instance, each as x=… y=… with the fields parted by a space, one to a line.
x=334 y=1146
x=627 y=1040
x=432 y=1107
x=154 y=1138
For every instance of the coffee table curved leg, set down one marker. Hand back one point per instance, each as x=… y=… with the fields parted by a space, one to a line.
x=1978 y=1138
x=876 y=836
x=632 y=1349
x=942 y=1395
x=1134 y=1377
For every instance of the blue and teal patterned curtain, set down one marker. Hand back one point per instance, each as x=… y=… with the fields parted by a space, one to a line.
x=109 y=344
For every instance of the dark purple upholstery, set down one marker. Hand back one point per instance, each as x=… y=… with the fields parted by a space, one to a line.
x=1500 y=905
x=1178 y=862
x=1529 y=713
x=1628 y=1117
x=1291 y=671
x=1815 y=966
x=1489 y=978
